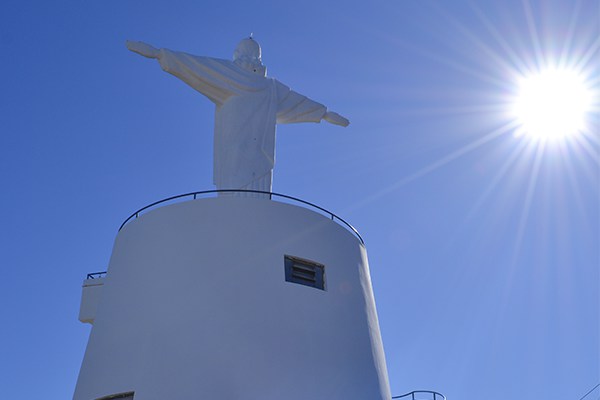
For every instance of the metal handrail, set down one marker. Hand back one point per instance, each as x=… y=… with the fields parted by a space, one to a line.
x=412 y=394
x=271 y=194
x=96 y=275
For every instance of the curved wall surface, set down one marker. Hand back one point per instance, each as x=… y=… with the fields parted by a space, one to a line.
x=195 y=305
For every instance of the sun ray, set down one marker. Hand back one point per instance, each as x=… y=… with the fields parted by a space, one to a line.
x=455 y=65
x=584 y=147
x=455 y=110
x=567 y=163
x=476 y=40
x=570 y=35
x=531 y=186
x=533 y=33
x=502 y=171
x=500 y=174
x=475 y=72
x=435 y=165
x=590 y=52
x=514 y=57
x=594 y=82
x=589 y=144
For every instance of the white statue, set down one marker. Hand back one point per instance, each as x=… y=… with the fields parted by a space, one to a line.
x=248 y=105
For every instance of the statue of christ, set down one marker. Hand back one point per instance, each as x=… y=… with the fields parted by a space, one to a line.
x=248 y=106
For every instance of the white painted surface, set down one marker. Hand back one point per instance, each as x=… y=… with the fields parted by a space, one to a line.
x=195 y=306
x=248 y=106
x=90 y=298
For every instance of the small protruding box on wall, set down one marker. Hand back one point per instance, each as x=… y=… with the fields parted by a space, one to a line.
x=90 y=297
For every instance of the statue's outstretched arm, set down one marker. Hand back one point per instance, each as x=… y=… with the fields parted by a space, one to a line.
x=294 y=107
x=143 y=49
x=335 y=118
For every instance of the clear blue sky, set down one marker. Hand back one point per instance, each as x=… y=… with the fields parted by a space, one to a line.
x=484 y=248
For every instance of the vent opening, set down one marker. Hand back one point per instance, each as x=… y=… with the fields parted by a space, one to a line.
x=118 y=396
x=304 y=272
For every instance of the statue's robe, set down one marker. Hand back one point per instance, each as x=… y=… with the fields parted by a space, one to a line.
x=248 y=106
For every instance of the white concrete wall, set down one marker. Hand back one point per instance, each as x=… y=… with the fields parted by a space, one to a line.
x=195 y=306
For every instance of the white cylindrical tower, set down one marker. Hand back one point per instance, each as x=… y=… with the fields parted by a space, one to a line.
x=234 y=298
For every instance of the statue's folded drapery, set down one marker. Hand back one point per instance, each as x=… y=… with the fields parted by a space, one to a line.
x=248 y=106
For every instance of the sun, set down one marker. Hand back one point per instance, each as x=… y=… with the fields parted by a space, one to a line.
x=552 y=104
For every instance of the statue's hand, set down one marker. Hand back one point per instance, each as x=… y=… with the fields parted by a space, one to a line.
x=336 y=119
x=143 y=49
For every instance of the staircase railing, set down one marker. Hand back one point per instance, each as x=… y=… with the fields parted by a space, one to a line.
x=421 y=395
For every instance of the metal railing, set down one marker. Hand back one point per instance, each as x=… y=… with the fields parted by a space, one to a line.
x=415 y=395
x=96 y=275
x=195 y=195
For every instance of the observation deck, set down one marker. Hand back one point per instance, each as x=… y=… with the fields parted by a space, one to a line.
x=206 y=285
x=92 y=285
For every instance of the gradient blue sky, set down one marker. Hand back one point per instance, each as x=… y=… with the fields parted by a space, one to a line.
x=483 y=246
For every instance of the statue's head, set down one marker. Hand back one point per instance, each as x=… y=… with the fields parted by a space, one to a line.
x=247 y=56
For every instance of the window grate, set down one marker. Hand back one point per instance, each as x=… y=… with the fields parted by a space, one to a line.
x=304 y=272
